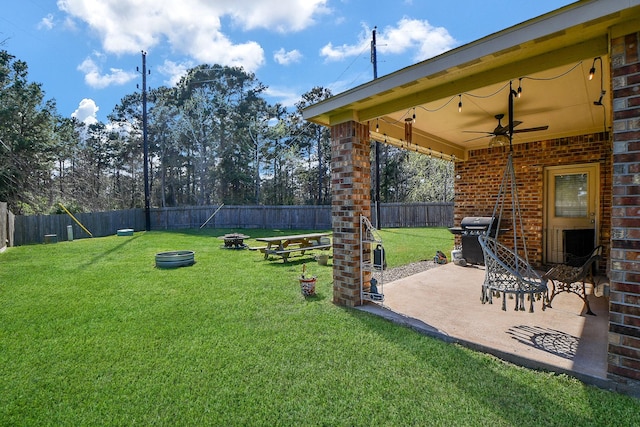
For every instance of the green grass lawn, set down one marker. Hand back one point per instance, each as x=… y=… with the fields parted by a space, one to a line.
x=91 y=333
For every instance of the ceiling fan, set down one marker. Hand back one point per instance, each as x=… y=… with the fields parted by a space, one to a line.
x=500 y=135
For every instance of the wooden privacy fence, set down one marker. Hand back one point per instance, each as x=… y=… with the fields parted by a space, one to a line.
x=285 y=217
x=33 y=228
x=397 y=215
x=6 y=226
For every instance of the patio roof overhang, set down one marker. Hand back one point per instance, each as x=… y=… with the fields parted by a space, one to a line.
x=549 y=57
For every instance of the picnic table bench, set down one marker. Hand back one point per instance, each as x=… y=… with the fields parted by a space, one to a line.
x=284 y=246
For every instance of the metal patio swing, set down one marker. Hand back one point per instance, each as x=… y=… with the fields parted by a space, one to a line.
x=507 y=270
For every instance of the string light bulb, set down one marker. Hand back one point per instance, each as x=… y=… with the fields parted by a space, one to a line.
x=414 y=115
x=520 y=88
x=377 y=126
x=592 y=71
x=460 y=104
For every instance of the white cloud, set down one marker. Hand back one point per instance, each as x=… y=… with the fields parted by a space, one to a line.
x=70 y=24
x=175 y=71
x=192 y=27
x=280 y=15
x=414 y=35
x=46 y=22
x=339 y=53
x=94 y=78
x=86 y=112
x=283 y=57
x=285 y=97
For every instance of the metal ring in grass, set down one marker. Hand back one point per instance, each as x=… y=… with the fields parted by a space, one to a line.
x=174 y=259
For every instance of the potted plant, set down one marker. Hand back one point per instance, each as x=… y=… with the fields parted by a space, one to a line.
x=307 y=284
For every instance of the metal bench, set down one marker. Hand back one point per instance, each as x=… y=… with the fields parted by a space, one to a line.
x=571 y=277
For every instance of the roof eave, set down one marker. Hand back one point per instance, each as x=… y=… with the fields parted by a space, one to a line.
x=336 y=109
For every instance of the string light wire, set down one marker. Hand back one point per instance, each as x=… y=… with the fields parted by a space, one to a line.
x=474 y=95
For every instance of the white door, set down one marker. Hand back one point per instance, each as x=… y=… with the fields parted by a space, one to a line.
x=571 y=209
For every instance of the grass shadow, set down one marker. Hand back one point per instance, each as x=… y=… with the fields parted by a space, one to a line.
x=116 y=248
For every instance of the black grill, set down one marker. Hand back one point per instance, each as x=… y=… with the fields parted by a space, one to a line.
x=470 y=228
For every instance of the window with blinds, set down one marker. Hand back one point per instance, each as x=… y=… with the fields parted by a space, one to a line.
x=571 y=199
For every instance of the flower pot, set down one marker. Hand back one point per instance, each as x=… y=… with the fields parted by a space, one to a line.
x=308 y=286
x=322 y=259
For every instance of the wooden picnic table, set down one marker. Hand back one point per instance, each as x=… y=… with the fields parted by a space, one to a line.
x=283 y=246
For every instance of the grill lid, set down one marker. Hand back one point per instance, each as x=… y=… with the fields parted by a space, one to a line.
x=476 y=222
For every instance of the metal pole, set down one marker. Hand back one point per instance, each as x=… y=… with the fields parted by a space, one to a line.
x=145 y=143
x=320 y=168
x=74 y=218
x=374 y=61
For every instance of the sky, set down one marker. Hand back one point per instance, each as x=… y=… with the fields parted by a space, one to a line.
x=86 y=53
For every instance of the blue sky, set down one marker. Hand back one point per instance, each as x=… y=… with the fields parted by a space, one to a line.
x=85 y=52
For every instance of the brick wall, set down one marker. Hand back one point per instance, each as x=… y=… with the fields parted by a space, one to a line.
x=624 y=310
x=478 y=182
x=351 y=182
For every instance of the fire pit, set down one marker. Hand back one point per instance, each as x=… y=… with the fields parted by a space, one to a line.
x=234 y=241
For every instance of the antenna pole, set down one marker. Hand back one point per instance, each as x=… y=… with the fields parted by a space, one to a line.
x=374 y=61
x=374 y=57
x=145 y=144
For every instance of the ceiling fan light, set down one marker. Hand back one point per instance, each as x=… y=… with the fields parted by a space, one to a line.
x=498 y=141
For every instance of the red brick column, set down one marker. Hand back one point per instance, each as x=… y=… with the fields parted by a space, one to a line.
x=624 y=310
x=350 y=188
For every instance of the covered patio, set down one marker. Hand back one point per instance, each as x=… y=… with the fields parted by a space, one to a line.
x=444 y=302
x=573 y=76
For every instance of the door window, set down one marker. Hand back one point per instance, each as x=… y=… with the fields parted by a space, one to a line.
x=571 y=199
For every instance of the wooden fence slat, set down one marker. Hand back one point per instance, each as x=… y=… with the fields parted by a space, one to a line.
x=28 y=229
x=4 y=226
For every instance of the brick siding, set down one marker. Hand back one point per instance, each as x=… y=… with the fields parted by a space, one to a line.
x=624 y=309
x=478 y=182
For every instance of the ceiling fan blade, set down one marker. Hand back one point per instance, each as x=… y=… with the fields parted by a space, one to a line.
x=477 y=131
x=504 y=130
x=500 y=130
x=478 y=137
x=531 y=129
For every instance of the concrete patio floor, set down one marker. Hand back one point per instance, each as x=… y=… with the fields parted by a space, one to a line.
x=444 y=302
